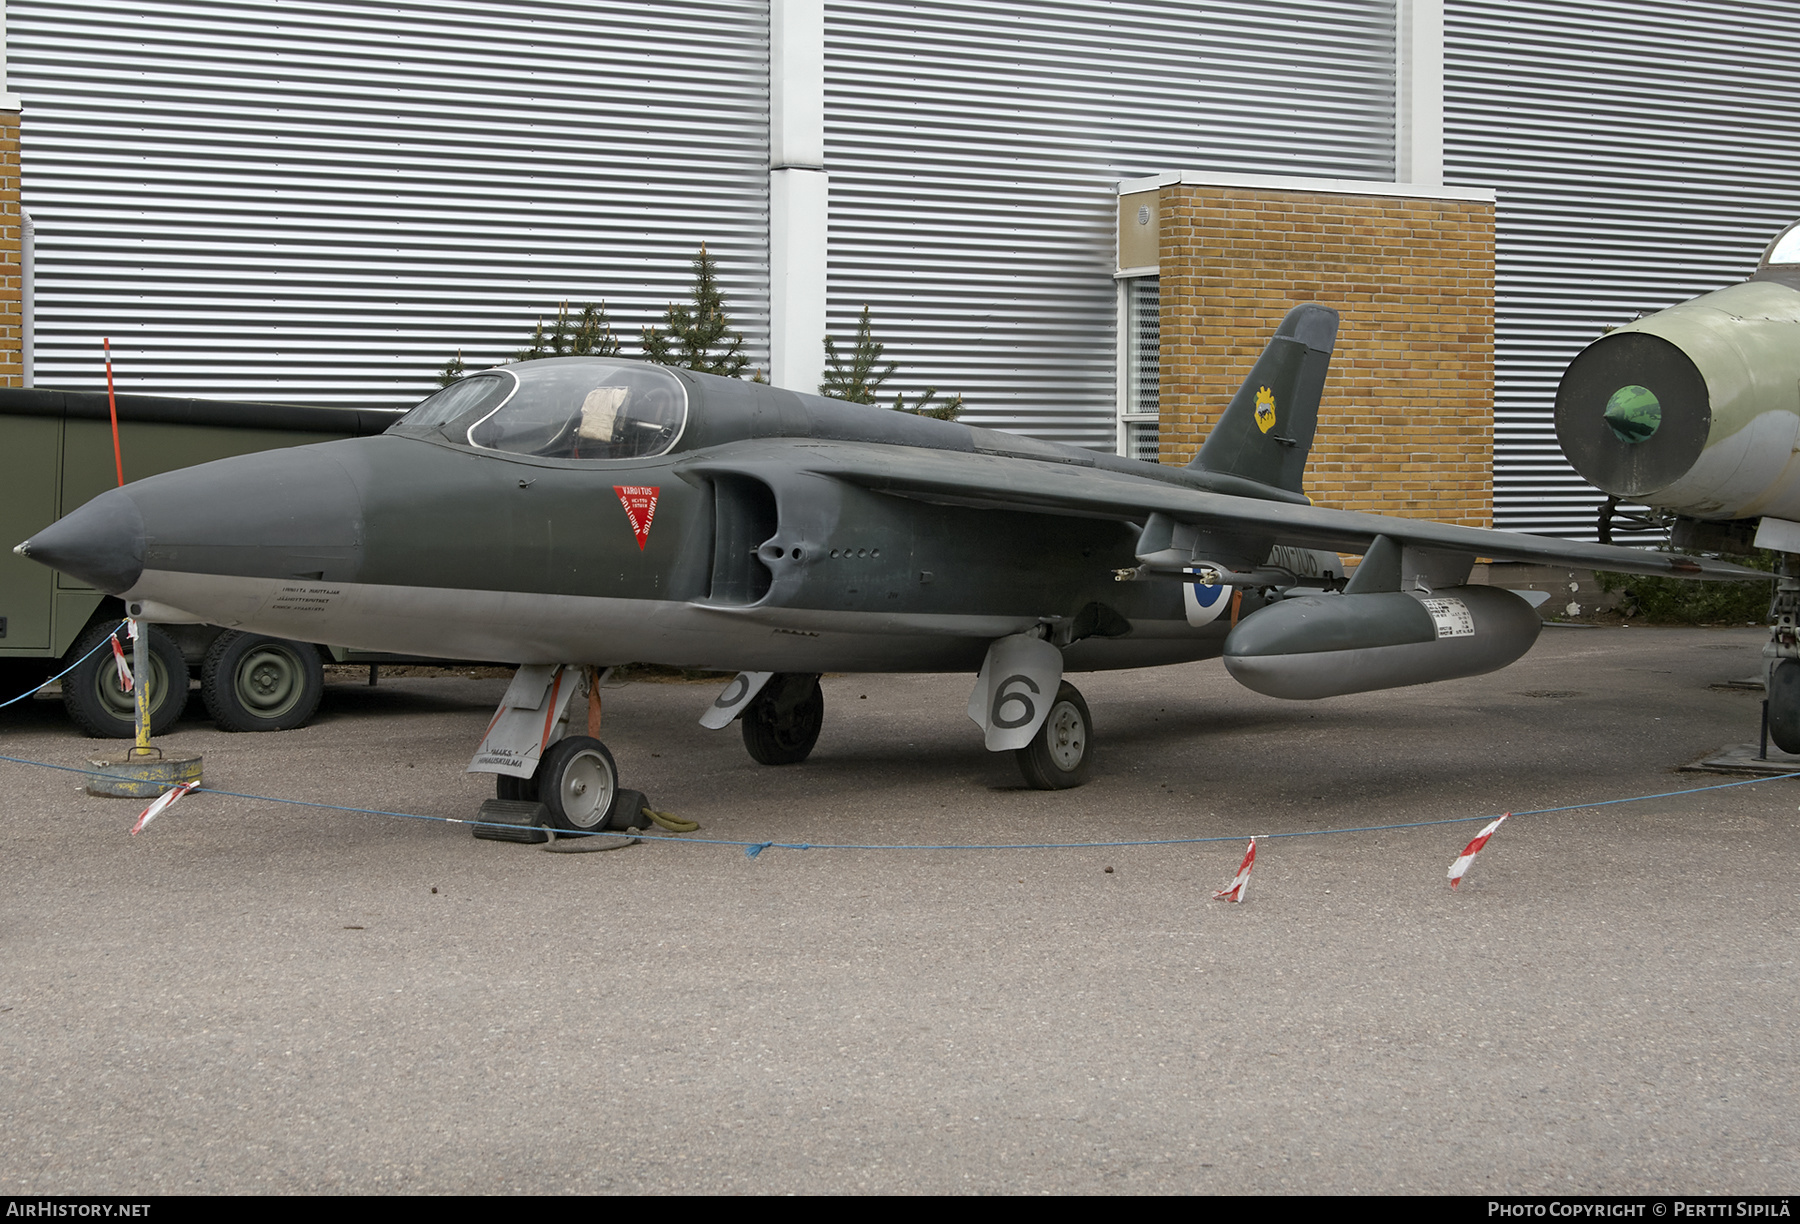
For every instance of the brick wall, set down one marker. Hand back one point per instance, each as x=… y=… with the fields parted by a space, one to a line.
x=12 y=367
x=1406 y=426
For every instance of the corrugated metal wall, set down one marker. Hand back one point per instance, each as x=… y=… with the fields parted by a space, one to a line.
x=320 y=202
x=973 y=150
x=1644 y=151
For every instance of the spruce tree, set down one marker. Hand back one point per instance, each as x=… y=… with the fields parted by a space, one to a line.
x=949 y=410
x=700 y=339
x=453 y=371
x=591 y=335
x=859 y=378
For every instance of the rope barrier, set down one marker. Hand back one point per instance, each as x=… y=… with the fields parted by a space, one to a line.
x=752 y=849
x=32 y=692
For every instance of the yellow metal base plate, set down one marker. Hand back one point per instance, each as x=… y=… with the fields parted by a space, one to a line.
x=141 y=777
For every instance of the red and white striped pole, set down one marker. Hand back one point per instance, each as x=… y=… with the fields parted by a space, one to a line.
x=112 y=407
x=1234 y=891
x=1461 y=866
x=167 y=800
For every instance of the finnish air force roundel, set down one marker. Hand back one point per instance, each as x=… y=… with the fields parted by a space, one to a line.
x=640 y=507
x=1265 y=409
x=1204 y=603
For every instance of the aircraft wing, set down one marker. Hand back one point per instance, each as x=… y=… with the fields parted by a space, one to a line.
x=1029 y=484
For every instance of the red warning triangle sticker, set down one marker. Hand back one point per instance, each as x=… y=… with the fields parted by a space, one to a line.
x=640 y=507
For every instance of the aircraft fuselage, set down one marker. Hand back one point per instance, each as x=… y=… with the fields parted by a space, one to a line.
x=730 y=551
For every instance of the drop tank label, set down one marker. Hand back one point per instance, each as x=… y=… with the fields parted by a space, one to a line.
x=1451 y=617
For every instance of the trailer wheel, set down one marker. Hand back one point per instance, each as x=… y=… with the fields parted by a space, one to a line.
x=255 y=683
x=98 y=704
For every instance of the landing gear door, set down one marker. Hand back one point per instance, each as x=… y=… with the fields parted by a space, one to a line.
x=526 y=722
x=739 y=693
x=1015 y=690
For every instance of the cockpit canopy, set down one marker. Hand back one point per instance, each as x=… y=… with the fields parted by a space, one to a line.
x=560 y=408
x=1785 y=249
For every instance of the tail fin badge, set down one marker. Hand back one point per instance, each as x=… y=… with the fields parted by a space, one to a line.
x=1265 y=409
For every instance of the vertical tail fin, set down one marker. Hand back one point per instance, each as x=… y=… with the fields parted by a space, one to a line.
x=1267 y=430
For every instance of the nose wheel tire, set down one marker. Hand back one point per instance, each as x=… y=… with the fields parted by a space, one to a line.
x=578 y=784
x=1059 y=755
x=782 y=724
x=255 y=683
x=98 y=704
x=515 y=789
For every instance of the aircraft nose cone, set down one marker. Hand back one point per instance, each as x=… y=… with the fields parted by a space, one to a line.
x=101 y=544
x=286 y=513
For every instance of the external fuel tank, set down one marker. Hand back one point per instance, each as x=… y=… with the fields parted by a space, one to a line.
x=1328 y=645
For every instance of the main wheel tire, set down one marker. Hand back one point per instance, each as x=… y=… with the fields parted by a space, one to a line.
x=1784 y=706
x=774 y=739
x=1058 y=756
x=578 y=784
x=98 y=704
x=255 y=683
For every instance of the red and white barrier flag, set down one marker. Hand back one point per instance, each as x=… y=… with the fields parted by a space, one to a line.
x=1461 y=865
x=165 y=800
x=1234 y=891
x=119 y=662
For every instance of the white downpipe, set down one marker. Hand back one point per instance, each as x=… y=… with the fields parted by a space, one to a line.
x=798 y=214
x=27 y=301
x=799 y=194
x=1419 y=92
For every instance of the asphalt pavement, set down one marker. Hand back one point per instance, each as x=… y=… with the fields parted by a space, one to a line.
x=255 y=997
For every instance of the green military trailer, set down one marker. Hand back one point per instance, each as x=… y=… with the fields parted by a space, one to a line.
x=56 y=453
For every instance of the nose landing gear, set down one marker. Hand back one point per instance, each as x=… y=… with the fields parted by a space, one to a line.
x=578 y=784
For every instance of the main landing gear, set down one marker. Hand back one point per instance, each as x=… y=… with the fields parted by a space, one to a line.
x=1057 y=757
x=1783 y=658
x=782 y=724
x=782 y=713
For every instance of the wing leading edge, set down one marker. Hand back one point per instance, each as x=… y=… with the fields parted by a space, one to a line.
x=1007 y=483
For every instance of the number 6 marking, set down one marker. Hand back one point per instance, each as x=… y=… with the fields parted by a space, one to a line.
x=1003 y=697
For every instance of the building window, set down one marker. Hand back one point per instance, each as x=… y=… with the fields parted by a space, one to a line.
x=1140 y=333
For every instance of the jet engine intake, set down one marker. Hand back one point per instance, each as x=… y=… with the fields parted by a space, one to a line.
x=744 y=520
x=1329 y=645
x=1694 y=409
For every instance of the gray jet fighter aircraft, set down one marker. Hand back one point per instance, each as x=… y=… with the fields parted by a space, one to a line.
x=571 y=514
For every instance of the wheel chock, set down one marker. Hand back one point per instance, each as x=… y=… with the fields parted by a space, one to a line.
x=512 y=820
